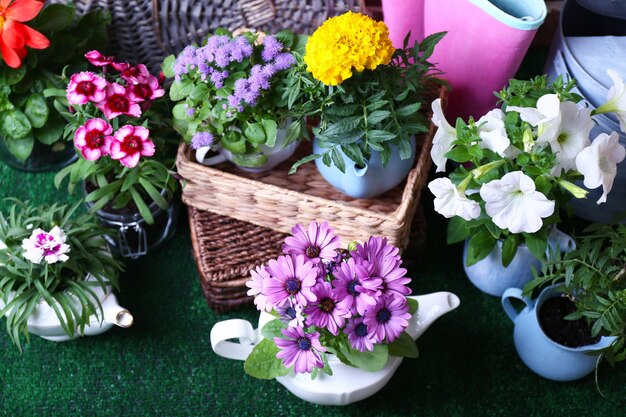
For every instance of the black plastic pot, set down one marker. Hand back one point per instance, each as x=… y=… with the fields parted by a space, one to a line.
x=43 y=158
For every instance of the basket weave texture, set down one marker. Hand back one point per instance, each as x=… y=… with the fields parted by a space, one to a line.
x=278 y=201
x=144 y=31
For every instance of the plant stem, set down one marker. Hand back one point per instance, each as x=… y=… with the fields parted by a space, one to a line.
x=620 y=274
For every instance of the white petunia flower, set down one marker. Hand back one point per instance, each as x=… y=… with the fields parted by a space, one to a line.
x=514 y=204
x=547 y=116
x=598 y=162
x=615 y=99
x=42 y=245
x=573 y=137
x=493 y=133
x=445 y=135
x=450 y=202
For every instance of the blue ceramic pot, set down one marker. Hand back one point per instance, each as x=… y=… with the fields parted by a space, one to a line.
x=491 y=277
x=370 y=180
x=540 y=353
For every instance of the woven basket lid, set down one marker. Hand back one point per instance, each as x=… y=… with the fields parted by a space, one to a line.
x=147 y=31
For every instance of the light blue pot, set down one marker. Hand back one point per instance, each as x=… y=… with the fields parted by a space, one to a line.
x=369 y=181
x=541 y=354
x=491 y=277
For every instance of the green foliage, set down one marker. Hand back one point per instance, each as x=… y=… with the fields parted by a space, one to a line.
x=240 y=132
x=536 y=160
x=25 y=284
x=25 y=111
x=372 y=111
x=262 y=363
x=594 y=276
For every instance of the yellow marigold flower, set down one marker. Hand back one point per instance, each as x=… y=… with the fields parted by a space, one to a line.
x=346 y=42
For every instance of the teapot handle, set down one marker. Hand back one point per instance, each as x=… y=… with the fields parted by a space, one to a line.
x=233 y=329
x=565 y=242
x=508 y=306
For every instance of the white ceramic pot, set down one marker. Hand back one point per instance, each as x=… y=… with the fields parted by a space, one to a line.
x=44 y=322
x=275 y=154
x=347 y=384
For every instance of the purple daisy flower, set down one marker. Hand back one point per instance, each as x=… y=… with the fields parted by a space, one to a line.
x=385 y=263
x=271 y=48
x=201 y=139
x=359 y=337
x=291 y=276
x=326 y=312
x=316 y=244
x=291 y=314
x=300 y=349
x=259 y=275
x=374 y=247
x=387 y=319
x=355 y=286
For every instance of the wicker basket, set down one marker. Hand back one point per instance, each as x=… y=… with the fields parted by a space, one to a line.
x=278 y=201
x=147 y=31
x=225 y=250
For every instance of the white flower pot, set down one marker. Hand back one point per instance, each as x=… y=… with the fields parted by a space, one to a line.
x=44 y=322
x=347 y=384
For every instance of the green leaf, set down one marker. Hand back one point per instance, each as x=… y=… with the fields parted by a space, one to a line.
x=234 y=142
x=181 y=89
x=299 y=44
x=293 y=132
x=457 y=230
x=36 y=110
x=285 y=37
x=480 y=245
x=303 y=161
x=405 y=149
x=14 y=124
x=537 y=244
x=254 y=133
x=142 y=206
x=458 y=154
x=429 y=42
x=179 y=111
x=54 y=18
x=408 y=110
x=380 y=135
x=270 y=127
x=168 y=66
x=20 y=148
x=199 y=92
x=404 y=346
x=14 y=76
x=53 y=130
x=262 y=362
x=154 y=194
x=413 y=305
x=509 y=248
x=338 y=160
x=273 y=329
x=377 y=117
x=369 y=361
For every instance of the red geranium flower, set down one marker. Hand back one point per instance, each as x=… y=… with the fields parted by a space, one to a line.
x=15 y=36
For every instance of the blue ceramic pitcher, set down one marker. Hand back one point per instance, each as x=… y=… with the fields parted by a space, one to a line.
x=541 y=354
x=371 y=180
x=491 y=277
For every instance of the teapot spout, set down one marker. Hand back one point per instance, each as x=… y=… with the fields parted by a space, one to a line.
x=431 y=307
x=115 y=314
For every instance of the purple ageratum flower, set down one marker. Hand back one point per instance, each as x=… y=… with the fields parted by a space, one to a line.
x=218 y=77
x=191 y=111
x=259 y=275
x=355 y=286
x=284 y=61
x=326 y=311
x=215 y=42
x=291 y=314
x=300 y=349
x=292 y=277
x=241 y=48
x=358 y=336
x=316 y=244
x=201 y=139
x=271 y=48
x=185 y=58
x=388 y=318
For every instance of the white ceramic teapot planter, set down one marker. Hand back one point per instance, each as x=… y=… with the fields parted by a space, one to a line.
x=44 y=322
x=347 y=384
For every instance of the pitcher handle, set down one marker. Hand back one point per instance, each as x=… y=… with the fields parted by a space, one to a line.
x=565 y=242
x=213 y=160
x=233 y=329
x=508 y=306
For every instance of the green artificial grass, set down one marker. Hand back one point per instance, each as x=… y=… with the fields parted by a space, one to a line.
x=164 y=365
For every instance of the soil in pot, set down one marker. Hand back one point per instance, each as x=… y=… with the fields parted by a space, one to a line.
x=570 y=333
